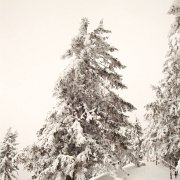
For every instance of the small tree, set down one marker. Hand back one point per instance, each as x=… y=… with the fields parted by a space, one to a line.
x=136 y=139
x=8 y=152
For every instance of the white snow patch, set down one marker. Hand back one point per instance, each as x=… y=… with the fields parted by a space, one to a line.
x=150 y=171
x=23 y=174
x=178 y=166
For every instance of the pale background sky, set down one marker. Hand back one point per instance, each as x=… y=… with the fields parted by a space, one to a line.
x=35 y=33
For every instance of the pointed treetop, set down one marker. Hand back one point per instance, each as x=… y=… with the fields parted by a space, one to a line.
x=101 y=24
x=10 y=135
x=84 y=26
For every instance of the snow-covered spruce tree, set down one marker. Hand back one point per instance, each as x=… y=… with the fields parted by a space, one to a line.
x=136 y=139
x=163 y=133
x=8 y=152
x=83 y=133
x=155 y=115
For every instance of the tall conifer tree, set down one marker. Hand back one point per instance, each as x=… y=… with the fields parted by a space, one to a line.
x=163 y=133
x=84 y=131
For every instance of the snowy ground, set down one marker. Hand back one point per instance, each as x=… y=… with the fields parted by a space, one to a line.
x=148 y=172
x=23 y=174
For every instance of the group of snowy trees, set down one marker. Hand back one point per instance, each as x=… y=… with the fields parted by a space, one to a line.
x=88 y=130
x=162 y=138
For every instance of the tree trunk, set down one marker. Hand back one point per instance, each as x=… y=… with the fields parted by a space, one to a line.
x=69 y=178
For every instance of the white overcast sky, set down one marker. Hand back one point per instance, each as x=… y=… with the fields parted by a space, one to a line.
x=35 y=33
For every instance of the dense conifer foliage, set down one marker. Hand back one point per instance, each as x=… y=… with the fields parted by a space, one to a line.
x=86 y=130
x=163 y=133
